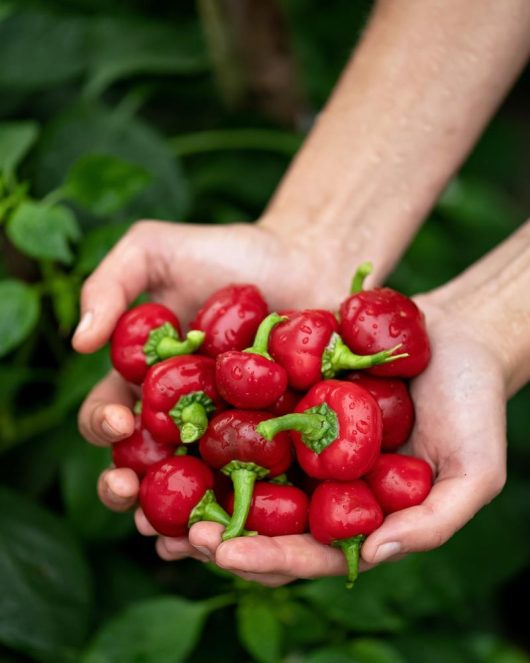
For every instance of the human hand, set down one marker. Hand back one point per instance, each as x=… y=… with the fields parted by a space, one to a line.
x=179 y=265
x=459 y=430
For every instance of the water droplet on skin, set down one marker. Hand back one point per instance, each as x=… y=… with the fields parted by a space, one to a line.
x=305 y=340
x=306 y=329
x=237 y=373
x=361 y=318
x=362 y=426
x=393 y=330
x=375 y=326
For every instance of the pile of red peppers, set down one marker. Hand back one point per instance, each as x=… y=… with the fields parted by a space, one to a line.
x=276 y=423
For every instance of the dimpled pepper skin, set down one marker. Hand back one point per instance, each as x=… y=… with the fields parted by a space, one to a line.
x=131 y=334
x=336 y=429
x=178 y=395
x=399 y=482
x=372 y=320
x=230 y=318
x=342 y=514
x=232 y=445
x=177 y=493
x=140 y=451
x=393 y=397
x=276 y=510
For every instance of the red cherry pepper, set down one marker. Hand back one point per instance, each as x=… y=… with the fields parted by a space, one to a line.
x=230 y=318
x=275 y=510
x=177 y=493
x=285 y=404
x=178 y=396
x=252 y=379
x=337 y=430
x=342 y=515
x=232 y=445
x=399 y=482
x=371 y=320
x=308 y=347
x=140 y=451
x=393 y=397
x=145 y=335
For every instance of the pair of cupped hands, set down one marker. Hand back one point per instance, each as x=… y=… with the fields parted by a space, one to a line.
x=459 y=399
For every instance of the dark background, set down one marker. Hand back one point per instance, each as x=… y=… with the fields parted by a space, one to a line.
x=168 y=128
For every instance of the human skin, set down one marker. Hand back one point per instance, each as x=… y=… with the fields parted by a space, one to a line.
x=425 y=79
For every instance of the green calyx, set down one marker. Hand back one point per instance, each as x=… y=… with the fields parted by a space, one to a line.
x=137 y=409
x=209 y=509
x=281 y=480
x=357 y=282
x=351 y=549
x=164 y=342
x=338 y=357
x=190 y=415
x=244 y=476
x=318 y=426
x=261 y=340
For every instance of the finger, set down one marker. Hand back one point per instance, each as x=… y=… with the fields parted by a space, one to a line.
x=452 y=502
x=142 y=524
x=106 y=414
x=118 y=488
x=175 y=548
x=126 y=272
x=297 y=556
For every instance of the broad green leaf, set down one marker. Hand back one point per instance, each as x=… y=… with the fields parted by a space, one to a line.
x=96 y=244
x=301 y=626
x=45 y=585
x=370 y=650
x=329 y=655
x=120 y=48
x=19 y=313
x=259 y=629
x=78 y=375
x=95 y=130
x=81 y=466
x=40 y=49
x=64 y=292
x=43 y=232
x=159 y=630
x=104 y=184
x=15 y=140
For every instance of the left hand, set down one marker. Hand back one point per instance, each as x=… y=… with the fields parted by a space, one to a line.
x=460 y=430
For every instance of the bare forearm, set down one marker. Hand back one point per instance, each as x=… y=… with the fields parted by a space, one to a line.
x=424 y=81
x=493 y=297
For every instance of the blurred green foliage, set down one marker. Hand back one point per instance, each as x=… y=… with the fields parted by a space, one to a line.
x=109 y=113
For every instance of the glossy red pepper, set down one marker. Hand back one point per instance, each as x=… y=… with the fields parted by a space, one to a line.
x=337 y=430
x=232 y=445
x=399 y=482
x=230 y=318
x=342 y=515
x=146 y=334
x=393 y=397
x=252 y=379
x=275 y=510
x=371 y=320
x=176 y=493
x=178 y=396
x=308 y=347
x=285 y=404
x=140 y=451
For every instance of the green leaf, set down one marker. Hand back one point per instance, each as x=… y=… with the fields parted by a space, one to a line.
x=40 y=49
x=95 y=130
x=120 y=48
x=104 y=184
x=164 y=629
x=80 y=468
x=65 y=298
x=43 y=232
x=96 y=244
x=15 y=140
x=19 y=313
x=301 y=626
x=259 y=629
x=370 y=650
x=45 y=584
x=78 y=375
x=329 y=655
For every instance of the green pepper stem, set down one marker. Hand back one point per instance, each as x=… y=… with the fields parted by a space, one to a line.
x=357 y=282
x=351 y=548
x=194 y=423
x=209 y=509
x=243 y=477
x=338 y=357
x=171 y=347
x=318 y=426
x=261 y=340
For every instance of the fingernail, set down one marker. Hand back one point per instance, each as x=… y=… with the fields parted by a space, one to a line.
x=204 y=551
x=109 y=430
x=385 y=551
x=84 y=323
